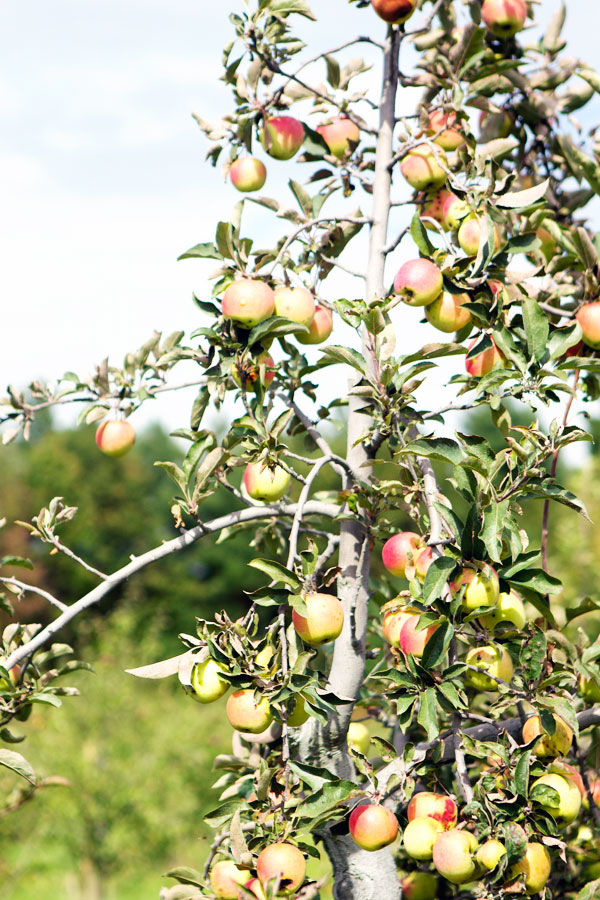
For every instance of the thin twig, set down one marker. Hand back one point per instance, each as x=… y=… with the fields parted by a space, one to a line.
x=32 y=589
x=67 y=552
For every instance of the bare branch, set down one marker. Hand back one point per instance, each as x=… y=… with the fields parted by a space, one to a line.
x=353 y=220
x=32 y=589
x=65 y=550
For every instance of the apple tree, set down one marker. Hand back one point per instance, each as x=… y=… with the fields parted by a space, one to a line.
x=425 y=721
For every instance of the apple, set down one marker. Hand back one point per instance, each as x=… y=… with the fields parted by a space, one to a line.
x=450 y=138
x=247 y=715
x=420 y=836
x=373 y=827
x=454 y=211
x=485 y=362
x=324 y=619
x=504 y=18
x=448 y=312
x=510 y=608
x=453 y=856
x=495 y=125
x=435 y=806
x=400 y=551
x=359 y=737
x=394 y=11
x=419 y=886
x=595 y=792
x=481 y=587
x=418 y=282
x=298 y=715
x=535 y=866
x=490 y=853
x=413 y=642
x=206 y=681
x=254 y=886
x=549 y=245
x=225 y=879
x=247 y=174
x=424 y=169
x=14 y=678
x=588 y=317
x=265 y=483
x=115 y=437
x=432 y=207
x=469 y=235
x=589 y=689
x=341 y=136
x=296 y=304
x=569 y=802
x=490 y=661
x=268 y=736
x=248 y=302
x=560 y=767
x=319 y=329
x=423 y=561
x=394 y=617
x=283 y=861
x=253 y=370
x=557 y=744
x=282 y=136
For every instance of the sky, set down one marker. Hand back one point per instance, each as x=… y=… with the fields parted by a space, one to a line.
x=103 y=181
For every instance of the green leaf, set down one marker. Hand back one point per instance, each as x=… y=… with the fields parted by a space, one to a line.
x=444 y=449
x=16 y=561
x=521 y=775
x=337 y=354
x=186 y=875
x=533 y=655
x=536 y=580
x=493 y=526
x=201 y=251
x=590 y=892
x=420 y=237
x=427 y=716
x=321 y=805
x=175 y=473
x=275 y=326
x=285 y=7
x=537 y=328
x=17 y=764
x=521 y=199
x=199 y=407
x=333 y=71
x=437 y=575
x=545 y=795
x=303 y=197
x=437 y=645
x=276 y=572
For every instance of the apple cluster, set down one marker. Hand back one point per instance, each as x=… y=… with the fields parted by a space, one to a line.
x=281 y=864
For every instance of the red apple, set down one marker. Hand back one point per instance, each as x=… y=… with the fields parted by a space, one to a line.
x=282 y=861
x=448 y=313
x=296 y=304
x=225 y=879
x=341 y=136
x=413 y=642
x=324 y=619
x=282 y=136
x=418 y=282
x=247 y=174
x=319 y=329
x=248 y=302
x=373 y=827
x=504 y=18
x=254 y=886
x=247 y=714
x=449 y=139
x=394 y=617
x=484 y=362
x=453 y=856
x=588 y=317
x=394 y=11
x=424 y=560
x=266 y=484
x=437 y=806
x=115 y=437
x=400 y=550
x=433 y=207
x=423 y=168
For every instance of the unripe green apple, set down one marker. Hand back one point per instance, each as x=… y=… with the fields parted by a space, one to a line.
x=420 y=836
x=206 y=681
x=248 y=302
x=420 y=167
x=504 y=18
x=394 y=11
x=492 y=662
x=247 y=715
x=589 y=689
x=450 y=138
x=418 y=282
x=282 y=136
x=535 y=866
x=247 y=174
x=299 y=715
x=283 y=861
x=266 y=484
x=419 y=886
x=373 y=827
x=557 y=744
x=588 y=317
x=489 y=854
x=485 y=362
x=319 y=329
x=359 y=737
x=401 y=551
x=481 y=587
x=225 y=879
x=455 y=210
x=251 y=370
x=569 y=802
x=439 y=807
x=453 y=856
x=115 y=437
x=341 y=135
x=510 y=608
x=296 y=304
x=449 y=312
x=323 y=621
x=413 y=642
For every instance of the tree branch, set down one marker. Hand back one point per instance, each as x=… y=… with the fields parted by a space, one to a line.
x=32 y=589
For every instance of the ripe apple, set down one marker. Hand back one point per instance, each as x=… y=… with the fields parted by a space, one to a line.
x=282 y=136
x=595 y=792
x=491 y=661
x=400 y=551
x=359 y=737
x=432 y=207
x=483 y=363
x=319 y=329
x=504 y=18
x=436 y=806
x=557 y=744
x=247 y=174
x=413 y=642
x=394 y=617
x=394 y=11
x=569 y=802
x=423 y=561
x=373 y=827
x=560 y=767
x=424 y=169
x=588 y=317
x=449 y=139
x=419 y=886
x=535 y=866
x=495 y=125
x=453 y=856
x=509 y=608
x=245 y=714
x=481 y=587
x=323 y=622
x=206 y=681
x=490 y=853
x=341 y=136
x=418 y=282
x=454 y=211
x=420 y=836
x=299 y=715
x=284 y=861
x=251 y=371
x=296 y=304
x=225 y=879
x=115 y=437
x=469 y=235
x=264 y=483
x=448 y=313
x=254 y=886
x=248 y=302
